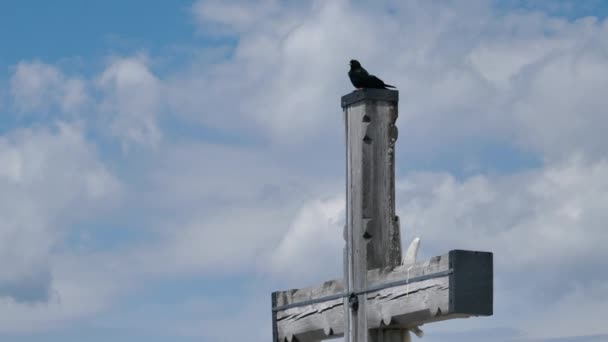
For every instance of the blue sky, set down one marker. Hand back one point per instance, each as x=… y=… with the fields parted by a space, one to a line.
x=74 y=29
x=165 y=166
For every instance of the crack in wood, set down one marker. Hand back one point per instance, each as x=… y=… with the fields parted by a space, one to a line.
x=304 y=315
x=393 y=296
x=414 y=292
x=331 y=307
x=309 y=312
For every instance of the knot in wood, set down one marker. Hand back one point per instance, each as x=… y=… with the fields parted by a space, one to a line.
x=353 y=301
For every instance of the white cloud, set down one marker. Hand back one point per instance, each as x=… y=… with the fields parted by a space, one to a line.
x=214 y=209
x=560 y=110
x=81 y=287
x=581 y=309
x=49 y=178
x=545 y=218
x=127 y=106
x=132 y=101
x=545 y=228
x=231 y=17
x=39 y=87
x=282 y=83
x=312 y=245
x=472 y=77
x=211 y=173
x=229 y=242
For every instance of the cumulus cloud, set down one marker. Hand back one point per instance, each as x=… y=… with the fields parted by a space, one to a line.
x=123 y=101
x=212 y=173
x=47 y=179
x=547 y=218
x=221 y=211
x=588 y=301
x=548 y=222
x=283 y=82
x=226 y=243
x=230 y=17
x=40 y=87
x=560 y=108
x=131 y=101
x=476 y=76
x=312 y=245
x=81 y=286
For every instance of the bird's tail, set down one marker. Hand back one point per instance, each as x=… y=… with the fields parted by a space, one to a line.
x=389 y=86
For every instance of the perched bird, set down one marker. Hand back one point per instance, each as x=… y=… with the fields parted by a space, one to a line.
x=360 y=78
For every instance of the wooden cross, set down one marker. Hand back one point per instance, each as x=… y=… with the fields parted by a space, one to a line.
x=382 y=295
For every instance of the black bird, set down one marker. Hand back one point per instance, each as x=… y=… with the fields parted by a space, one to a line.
x=360 y=78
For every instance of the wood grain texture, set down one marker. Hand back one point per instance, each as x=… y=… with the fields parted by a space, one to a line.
x=397 y=307
x=358 y=224
x=372 y=233
x=371 y=135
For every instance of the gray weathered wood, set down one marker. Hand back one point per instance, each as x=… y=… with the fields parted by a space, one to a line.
x=373 y=236
x=403 y=306
x=359 y=225
x=370 y=144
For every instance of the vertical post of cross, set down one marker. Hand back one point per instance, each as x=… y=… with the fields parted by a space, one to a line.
x=372 y=228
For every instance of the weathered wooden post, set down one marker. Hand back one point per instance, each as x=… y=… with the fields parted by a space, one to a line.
x=381 y=295
x=372 y=229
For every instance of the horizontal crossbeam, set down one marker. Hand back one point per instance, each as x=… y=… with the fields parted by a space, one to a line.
x=455 y=285
x=366 y=291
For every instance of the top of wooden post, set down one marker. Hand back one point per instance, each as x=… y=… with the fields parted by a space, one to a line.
x=370 y=94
